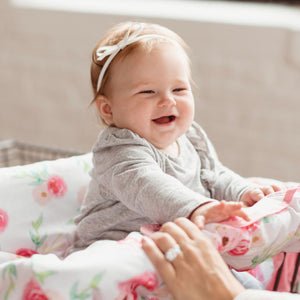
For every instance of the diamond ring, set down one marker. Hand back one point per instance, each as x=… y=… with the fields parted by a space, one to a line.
x=172 y=253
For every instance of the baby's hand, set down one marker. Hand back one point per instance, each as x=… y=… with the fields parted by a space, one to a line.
x=253 y=195
x=214 y=212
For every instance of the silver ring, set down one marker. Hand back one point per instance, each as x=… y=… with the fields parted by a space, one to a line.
x=172 y=253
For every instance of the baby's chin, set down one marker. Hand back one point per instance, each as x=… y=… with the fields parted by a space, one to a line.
x=171 y=149
x=162 y=145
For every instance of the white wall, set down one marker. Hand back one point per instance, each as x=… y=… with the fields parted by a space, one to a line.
x=247 y=76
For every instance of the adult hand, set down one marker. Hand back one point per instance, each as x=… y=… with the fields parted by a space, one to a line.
x=199 y=271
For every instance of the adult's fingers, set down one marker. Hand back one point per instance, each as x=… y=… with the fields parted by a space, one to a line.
x=163 y=240
x=199 y=222
x=177 y=233
x=192 y=230
x=164 y=268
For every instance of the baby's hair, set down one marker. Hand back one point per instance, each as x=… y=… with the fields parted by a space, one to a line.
x=117 y=34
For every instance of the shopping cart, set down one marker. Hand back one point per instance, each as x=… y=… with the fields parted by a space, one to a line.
x=13 y=153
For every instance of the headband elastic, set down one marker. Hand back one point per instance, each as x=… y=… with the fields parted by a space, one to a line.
x=113 y=50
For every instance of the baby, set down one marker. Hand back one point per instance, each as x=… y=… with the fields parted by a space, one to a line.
x=152 y=162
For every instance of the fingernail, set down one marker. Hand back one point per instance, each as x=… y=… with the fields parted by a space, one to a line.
x=145 y=240
x=260 y=196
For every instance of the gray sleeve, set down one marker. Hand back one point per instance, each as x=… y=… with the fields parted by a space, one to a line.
x=222 y=182
x=265 y=295
x=227 y=185
x=133 y=176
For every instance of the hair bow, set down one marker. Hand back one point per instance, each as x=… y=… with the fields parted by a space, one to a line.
x=128 y=39
x=113 y=50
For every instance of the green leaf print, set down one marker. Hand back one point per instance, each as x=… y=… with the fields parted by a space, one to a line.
x=96 y=280
x=38 y=177
x=9 y=271
x=36 y=225
x=35 y=236
x=87 y=292
x=42 y=276
x=79 y=295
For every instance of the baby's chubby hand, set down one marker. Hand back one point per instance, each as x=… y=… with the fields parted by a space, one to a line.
x=217 y=211
x=254 y=194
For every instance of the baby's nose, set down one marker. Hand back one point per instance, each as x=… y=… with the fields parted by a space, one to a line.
x=167 y=100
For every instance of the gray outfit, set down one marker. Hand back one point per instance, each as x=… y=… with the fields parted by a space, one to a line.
x=133 y=183
x=247 y=280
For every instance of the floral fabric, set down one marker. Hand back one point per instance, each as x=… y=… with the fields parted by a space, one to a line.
x=38 y=203
x=37 y=206
x=274 y=227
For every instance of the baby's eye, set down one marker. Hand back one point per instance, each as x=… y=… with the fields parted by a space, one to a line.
x=147 y=92
x=179 y=90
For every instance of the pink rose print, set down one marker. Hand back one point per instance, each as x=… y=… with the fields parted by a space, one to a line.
x=226 y=237
x=97 y=295
x=33 y=291
x=128 y=288
x=3 y=220
x=41 y=195
x=241 y=248
x=56 y=186
x=25 y=252
x=54 y=295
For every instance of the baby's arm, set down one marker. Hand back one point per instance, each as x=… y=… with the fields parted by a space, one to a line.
x=216 y=211
x=133 y=174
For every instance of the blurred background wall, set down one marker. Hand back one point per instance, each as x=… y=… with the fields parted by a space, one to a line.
x=247 y=78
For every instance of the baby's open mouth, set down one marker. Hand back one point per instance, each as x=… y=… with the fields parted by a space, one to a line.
x=165 y=119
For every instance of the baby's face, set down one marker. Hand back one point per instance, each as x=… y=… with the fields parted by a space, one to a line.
x=150 y=94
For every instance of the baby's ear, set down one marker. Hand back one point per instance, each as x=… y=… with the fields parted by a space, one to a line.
x=104 y=109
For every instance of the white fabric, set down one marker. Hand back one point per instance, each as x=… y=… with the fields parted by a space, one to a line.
x=37 y=203
x=266 y=295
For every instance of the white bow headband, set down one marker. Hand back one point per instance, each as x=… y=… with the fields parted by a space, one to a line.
x=113 y=50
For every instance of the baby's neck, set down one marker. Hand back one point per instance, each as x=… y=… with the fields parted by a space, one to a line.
x=172 y=150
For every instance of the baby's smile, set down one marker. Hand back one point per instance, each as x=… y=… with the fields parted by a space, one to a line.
x=165 y=119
